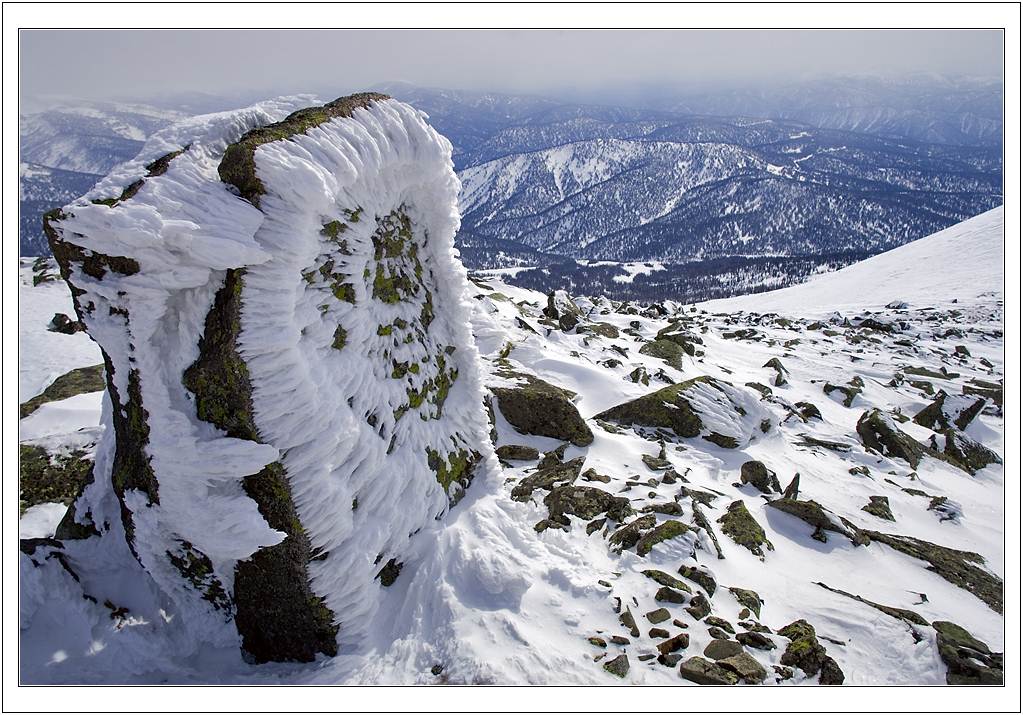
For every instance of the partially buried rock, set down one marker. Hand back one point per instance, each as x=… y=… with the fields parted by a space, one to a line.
x=749 y=599
x=666 y=350
x=719 y=649
x=969 y=661
x=878 y=432
x=702 y=671
x=744 y=530
x=701 y=406
x=756 y=473
x=950 y=411
x=967 y=452
x=804 y=651
x=618 y=666
x=662 y=532
x=880 y=508
x=746 y=667
x=547 y=479
x=699 y=607
x=700 y=576
x=752 y=639
x=517 y=452
x=539 y=408
x=816 y=516
x=585 y=503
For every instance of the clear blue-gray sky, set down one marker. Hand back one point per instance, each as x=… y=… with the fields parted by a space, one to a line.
x=140 y=63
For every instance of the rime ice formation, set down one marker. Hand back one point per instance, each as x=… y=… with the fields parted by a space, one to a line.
x=293 y=389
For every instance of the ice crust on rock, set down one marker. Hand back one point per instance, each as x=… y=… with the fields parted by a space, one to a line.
x=354 y=333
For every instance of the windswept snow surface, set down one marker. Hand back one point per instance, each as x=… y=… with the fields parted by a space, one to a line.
x=965 y=261
x=489 y=599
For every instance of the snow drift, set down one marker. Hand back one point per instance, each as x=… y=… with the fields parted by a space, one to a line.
x=293 y=390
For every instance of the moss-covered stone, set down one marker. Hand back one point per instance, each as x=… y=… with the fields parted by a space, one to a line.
x=700 y=576
x=879 y=507
x=666 y=350
x=804 y=651
x=585 y=503
x=666 y=580
x=961 y=568
x=748 y=598
x=816 y=516
x=704 y=672
x=277 y=614
x=966 y=452
x=197 y=569
x=454 y=468
x=939 y=416
x=76 y=382
x=969 y=660
x=45 y=478
x=879 y=433
x=744 y=530
x=903 y=614
x=664 y=531
x=539 y=408
x=756 y=473
x=238 y=165
x=666 y=408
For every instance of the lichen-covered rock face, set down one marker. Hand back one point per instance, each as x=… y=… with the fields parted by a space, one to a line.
x=699 y=407
x=537 y=407
x=294 y=383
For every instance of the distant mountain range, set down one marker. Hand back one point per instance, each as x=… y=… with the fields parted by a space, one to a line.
x=801 y=174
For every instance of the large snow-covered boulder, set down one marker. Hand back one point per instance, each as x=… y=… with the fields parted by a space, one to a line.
x=293 y=388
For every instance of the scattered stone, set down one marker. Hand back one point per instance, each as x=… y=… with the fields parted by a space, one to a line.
x=667 y=350
x=658 y=633
x=597 y=641
x=677 y=642
x=540 y=408
x=630 y=534
x=848 y=392
x=720 y=623
x=969 y=661
x=547 y=479
x=831 y=674
x=816 y=516
x=950 y=411
x=780 y=371
x=804 y=651
x=76 y=382
x=591 y=475
x=903 y=614
x=669 y=595
x=669 y=659
x=666 y=580
x=718 y=633
x=669 y=529
x=627 y=620
x=746 y=667
x=752 y=639
x=702 y=577
x=792 y=490
x=585 y=503
x=757 y=474
x=554 y=457
x=744 y=530
x=659 y=615
x=720 y=648
x=746 y=597
x=699 y=607
x=702 y=671
x=701 y=520
x=61 y=323
x=620 y=640
x=960 y=568
x=809 y=411
x=517 y=452
x=618 y=666
x=880 y=508
x=878 y=432
x=967 y=452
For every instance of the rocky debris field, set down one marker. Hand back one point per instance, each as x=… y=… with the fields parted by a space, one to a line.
x=686 y=496
x=781 y=498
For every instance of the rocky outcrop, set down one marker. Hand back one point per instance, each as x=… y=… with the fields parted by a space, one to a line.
x=294 y=384
x=539 y=408
x=699 y=407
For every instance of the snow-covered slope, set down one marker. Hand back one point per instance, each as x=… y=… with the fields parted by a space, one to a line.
x=965 y=262
x=664 y=552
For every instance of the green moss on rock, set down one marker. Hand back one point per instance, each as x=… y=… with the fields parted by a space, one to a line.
x=744 y=530
x=238 y=165
x=45 y=478
x=76 y=382
x=540 y=408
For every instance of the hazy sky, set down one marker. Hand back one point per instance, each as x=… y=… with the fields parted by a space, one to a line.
x=106 y=64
